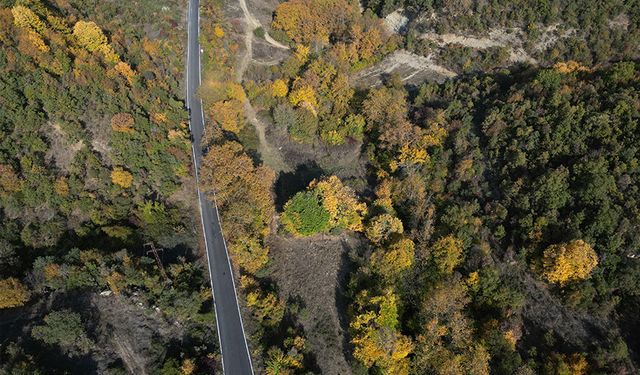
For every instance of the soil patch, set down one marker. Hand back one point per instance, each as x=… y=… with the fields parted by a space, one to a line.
x=312 y=271
x=412 y=68
x=345 y=161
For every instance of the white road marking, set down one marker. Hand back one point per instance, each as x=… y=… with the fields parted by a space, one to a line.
x=196 y=167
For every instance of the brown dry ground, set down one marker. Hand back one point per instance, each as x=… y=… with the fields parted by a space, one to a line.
x=313 y=271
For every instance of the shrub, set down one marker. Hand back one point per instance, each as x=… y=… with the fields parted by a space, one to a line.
x=304 y=215
x=304 y=129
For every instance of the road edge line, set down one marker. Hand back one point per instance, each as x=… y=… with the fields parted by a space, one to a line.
x=195 y=168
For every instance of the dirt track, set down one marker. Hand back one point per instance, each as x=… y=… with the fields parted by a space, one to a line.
x=269 y=154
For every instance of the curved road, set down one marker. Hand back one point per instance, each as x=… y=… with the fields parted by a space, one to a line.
x=236 y=359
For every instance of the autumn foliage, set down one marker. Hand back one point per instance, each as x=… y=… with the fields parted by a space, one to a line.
x=121 y=177
x=12 y=293
x=570 y=261
x=229 y=114
x=122 y=122
x=382 y=227
x=327 y=204
x=446 y=253
x=307 y=21
x=345 y=211
x=375 y=334
x=89 y=35
x=279 y=88
x=238 y=186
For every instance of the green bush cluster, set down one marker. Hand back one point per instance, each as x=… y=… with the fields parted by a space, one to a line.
x=304 y=214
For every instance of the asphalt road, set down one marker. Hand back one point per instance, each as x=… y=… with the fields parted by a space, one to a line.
x=236 y=359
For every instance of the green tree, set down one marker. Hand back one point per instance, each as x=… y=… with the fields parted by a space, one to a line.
x=64 y=328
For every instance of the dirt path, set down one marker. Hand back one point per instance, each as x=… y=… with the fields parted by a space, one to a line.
x=507 y=38
x=252 y=23
x=134 y=364
x=270 y=155
x=511 y=38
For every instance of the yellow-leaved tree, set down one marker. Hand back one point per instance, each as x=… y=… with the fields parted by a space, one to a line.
x=229 y=114
x=12 y=293
x=121 y=177
x=569 y=261
x=25 y=17
x=249 y=254
x=125 y=70
x=391 y=262
x=304 y=95
x=279 y=363
x=340 y=201
x=279 y=88
x=375 y=335
x=446 y=254
x=89 y=35
x=382 y=227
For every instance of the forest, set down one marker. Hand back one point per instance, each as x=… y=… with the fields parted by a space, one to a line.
x=95 y=163
x=483 y=224
x=497 y=215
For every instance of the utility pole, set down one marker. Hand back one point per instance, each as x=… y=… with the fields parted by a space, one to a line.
x=151 y=246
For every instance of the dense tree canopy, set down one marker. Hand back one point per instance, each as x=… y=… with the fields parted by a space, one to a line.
x=94 y=159
x=531 y=173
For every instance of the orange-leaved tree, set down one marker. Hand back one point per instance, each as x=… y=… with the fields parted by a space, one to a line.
x=314 y=21
x=241 y=189
x=122 y=123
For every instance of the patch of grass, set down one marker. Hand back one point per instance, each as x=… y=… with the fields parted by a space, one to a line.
x=259 y=32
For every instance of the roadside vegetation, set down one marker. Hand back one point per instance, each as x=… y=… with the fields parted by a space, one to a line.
x=94 y=163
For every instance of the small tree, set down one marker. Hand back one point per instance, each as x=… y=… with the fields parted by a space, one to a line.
x=381 y=228
x=122 y=122
x=305 y=126
x=64 y=328
x=121 y=177
x=279 y=88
